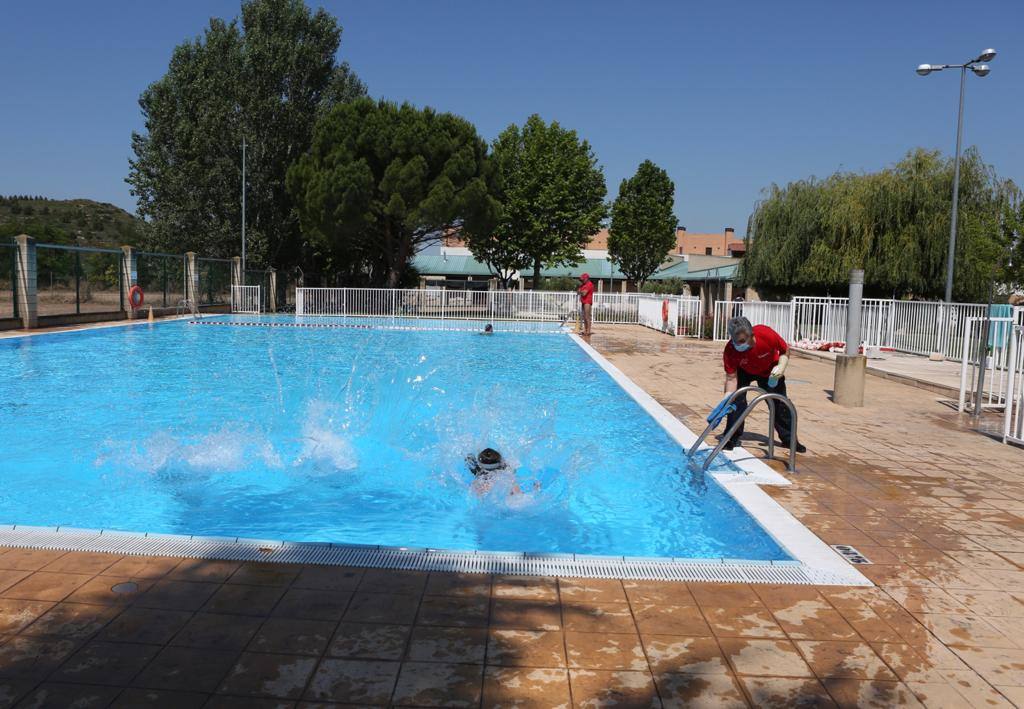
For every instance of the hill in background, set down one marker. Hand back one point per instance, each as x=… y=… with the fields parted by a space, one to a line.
x=70 y=221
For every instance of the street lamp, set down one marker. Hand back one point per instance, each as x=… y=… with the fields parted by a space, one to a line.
x=979 y=67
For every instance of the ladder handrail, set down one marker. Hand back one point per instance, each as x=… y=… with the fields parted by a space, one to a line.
x=769 y=397
x=713 y=425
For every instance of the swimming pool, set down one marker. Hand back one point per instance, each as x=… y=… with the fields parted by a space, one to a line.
x=354 y=435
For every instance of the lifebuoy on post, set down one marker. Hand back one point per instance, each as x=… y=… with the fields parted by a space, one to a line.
x=664 y=310
x=136 y=297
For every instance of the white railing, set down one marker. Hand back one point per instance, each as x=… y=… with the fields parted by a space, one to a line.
x=246 y=299
x=992 y=355
x=659 y=312
x=1013 y=417
x=515 y=305
x=778 y=315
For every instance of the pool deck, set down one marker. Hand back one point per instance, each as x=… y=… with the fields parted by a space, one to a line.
x=936 y=508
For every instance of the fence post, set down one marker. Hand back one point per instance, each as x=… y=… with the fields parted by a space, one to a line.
x=272 y=290
x=792 y=319
x=25 y=281
x=129 y=277
x=191 y=281
x=237 y=277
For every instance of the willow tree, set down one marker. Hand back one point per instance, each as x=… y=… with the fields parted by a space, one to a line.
x=807 y=236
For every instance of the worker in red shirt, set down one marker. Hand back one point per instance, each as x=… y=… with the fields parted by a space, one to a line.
x=756 y=354
x=586 y=293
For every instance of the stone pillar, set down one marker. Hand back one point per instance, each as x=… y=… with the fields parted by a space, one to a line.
x=624 y=289
x=237 y=277
x=271 y=291
x=191 y=281
x=129 y=277
x=25 y=280
x=848 y=387
x=728 y=291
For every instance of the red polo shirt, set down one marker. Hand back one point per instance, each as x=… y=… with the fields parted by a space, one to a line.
x=586 y=291
x=761 y=358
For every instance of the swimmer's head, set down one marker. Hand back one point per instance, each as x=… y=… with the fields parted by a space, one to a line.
x=489 y=459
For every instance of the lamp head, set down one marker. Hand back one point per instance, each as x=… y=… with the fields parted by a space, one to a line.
x=925 y=69
x=981 y=69
x=987 y=56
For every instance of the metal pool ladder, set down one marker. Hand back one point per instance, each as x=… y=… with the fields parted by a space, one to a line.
x=770 y=398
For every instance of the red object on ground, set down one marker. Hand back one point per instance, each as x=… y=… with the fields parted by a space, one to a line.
x=136 y=297
x=761 y=358
x=664 y=311
x=586 y=291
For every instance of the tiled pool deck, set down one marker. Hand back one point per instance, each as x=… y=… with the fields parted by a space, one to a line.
x=935 y=508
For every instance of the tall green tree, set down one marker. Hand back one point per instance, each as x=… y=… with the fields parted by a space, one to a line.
x=643 y=227
x=265 y=78
x=551 y=193
x=894 y=223
x=381 y=182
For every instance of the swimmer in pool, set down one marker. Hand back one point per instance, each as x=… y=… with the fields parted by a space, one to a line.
x=487 y=463
x=488 y=330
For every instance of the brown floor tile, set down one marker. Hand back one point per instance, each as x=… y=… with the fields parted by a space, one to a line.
x=382 y=608
x=216 y=631
x=590 y=617
x=46 y=586
x=601 y=688
x=605 y=651
x=393 y=581
x=591 y=591
x=145 y=625
x=778 y=597
x=526 y=615
x=743 y=623
x=450 y=584
x=869 y=625
x=429 y=684
x=82 y=562
x=292 y=636
x=72 y=620
x=870 y=693
x=436 y=644
x=365 y=682
x=187 y=669
x=69 y=695
x=99 y=591
x=176 y=595
x=135 y=698
x=966 y=630
x=254 y=574
x=244 y=600
x=28 y=559
x=816 y=624
x=531 y=588
x=222 y=701
x=764 y=658
x=370 y=641
x=15 y=615
x=674 y=654
x=782 y=693
x=204 y=570
x=998 y=666
x=669 y=620
x=106 y=663
x=673 y=593
x=11 y=690
x=142 y=567
x=722 y=595
x=313 y=604
x=830 y=659
x=266 y=675
x=328 y=578
x=689 y=690
x=526 y=688
x=24 y=657
x=9 y=577
x=526 y=648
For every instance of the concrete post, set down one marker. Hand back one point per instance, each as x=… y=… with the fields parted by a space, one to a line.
x=848 y=385
x=237 y=277
x=25 y=281
x=272 y=291
x=191 y=281
x=727 y=294
x=129 y=277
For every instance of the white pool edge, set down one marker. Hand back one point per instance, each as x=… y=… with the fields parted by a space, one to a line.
x=819 y=560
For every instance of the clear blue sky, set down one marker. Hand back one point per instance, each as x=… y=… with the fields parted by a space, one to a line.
x=728 y=97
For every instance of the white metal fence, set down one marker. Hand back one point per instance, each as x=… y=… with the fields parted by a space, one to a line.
x=775 y=314
x=991 y=355
x=659 y=313
x=1013 y=417
x=246 y=299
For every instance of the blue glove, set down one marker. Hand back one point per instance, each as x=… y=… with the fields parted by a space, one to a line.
x=720 y=412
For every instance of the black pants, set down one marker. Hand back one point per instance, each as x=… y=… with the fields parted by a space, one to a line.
x=783 y=421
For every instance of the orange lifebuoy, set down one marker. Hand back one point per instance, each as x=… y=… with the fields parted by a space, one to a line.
x=664 y=310
x=136 y=297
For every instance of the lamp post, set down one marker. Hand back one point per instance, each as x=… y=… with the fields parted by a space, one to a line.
x=979 y=67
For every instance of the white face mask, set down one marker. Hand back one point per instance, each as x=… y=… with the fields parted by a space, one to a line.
x=741 y=348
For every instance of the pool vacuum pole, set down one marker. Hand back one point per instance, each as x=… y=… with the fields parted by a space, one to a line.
x=848 y=386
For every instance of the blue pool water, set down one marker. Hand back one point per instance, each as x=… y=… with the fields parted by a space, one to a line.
x=348 y=435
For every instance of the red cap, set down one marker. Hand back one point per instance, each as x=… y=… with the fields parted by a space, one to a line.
x=585 y=277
